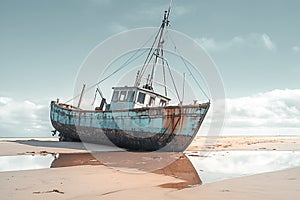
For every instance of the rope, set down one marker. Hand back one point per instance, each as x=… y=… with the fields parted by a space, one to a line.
x=128 y=61
x=173 y=80
x=185 y=64
x=147 y=61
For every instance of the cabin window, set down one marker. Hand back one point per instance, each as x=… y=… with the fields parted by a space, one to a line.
x=130 y=96
x=115 y=96
x=152 y=101
x=162 y=103
x=141 y=98
x=123 y=95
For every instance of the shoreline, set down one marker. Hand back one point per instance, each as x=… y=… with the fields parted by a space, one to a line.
x=200 y=143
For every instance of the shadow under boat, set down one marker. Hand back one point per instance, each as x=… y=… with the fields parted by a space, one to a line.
x=174 y=164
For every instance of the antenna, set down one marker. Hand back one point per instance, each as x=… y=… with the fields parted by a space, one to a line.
x=170 y=5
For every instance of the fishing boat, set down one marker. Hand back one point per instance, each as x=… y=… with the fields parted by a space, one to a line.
x=138 y=117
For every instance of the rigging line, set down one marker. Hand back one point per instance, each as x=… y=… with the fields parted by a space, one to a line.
x=107 y=77
x=147 y=61
x=129 y=60
x=73 y=98
x=172 y=78
x=184 y=62
x=164 y=73
x=183 y=87
x=154 y=67
x=168 y=88
x=120 y=68
x=94 y=98
x=197 y=82
x=177 y=94
x=152 y=73
x=101 y=95
x=146 y=68
x=159 y=47
x=100 y=92
x=165 y=23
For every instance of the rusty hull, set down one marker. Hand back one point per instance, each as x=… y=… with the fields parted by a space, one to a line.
x=170 y=128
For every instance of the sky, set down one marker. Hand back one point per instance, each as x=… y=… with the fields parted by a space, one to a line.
x=255 y=45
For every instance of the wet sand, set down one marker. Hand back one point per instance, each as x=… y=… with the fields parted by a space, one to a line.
x=108 y=179
x=267 y=143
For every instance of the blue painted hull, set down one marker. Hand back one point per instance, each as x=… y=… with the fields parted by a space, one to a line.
x=170 y=128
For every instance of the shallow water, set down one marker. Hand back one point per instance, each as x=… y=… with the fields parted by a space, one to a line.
x=217 y=166
x=25 y=162
x=211 y=167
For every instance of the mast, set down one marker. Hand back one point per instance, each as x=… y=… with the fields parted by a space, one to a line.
x=159 y=50
x=155 y=53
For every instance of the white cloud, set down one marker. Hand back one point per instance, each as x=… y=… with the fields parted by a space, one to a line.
x=252 y=40
x=269 y=111
x=268 y=42
x=23 y=118
x=4 y=100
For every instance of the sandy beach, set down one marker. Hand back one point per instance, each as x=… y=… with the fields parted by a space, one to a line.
x=281 y=143
x=122 y=175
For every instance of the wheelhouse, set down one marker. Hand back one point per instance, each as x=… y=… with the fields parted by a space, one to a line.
x=135 y=97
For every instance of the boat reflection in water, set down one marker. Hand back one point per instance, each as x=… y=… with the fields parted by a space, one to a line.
x=167 y=163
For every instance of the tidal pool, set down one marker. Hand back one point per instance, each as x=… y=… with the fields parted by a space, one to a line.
x=216 y=166
x=25 y=162
x=207 y=166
